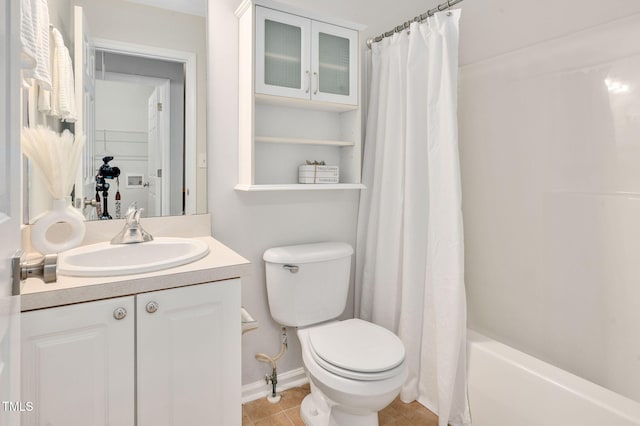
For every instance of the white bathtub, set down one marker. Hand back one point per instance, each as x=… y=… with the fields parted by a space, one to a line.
x=510 y=388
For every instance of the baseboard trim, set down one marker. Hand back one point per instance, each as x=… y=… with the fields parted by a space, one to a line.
x=287 y=380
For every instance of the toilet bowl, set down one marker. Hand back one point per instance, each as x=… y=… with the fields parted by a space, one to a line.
x=350 y=396
x=355 y=368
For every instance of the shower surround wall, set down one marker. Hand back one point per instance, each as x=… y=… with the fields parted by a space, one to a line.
x=550 y=157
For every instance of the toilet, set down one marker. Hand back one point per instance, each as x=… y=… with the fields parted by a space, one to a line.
x=355 y=368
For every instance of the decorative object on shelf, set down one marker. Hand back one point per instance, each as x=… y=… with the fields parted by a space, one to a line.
x=57 y=156
x=61 y=211
x=318 y=172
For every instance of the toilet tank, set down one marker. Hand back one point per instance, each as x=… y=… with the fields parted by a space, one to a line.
x=308 y=283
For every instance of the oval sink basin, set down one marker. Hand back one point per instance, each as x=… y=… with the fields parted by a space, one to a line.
x=106 y=259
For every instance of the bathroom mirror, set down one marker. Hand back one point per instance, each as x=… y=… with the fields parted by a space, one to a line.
x=141 y=70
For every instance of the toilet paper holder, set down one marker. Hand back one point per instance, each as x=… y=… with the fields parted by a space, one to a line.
x=248 y=323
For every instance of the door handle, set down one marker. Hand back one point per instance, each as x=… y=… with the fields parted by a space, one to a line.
x=317 y=82
x=45 y=269
x=308 y=81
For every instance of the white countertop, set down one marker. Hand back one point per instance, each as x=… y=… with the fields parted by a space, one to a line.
x=220 y=264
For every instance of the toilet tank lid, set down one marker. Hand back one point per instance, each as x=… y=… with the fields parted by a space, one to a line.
x=307 y=253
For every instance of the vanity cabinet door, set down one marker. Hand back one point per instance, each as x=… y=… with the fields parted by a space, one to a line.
x=188 y=355
x=78 y=364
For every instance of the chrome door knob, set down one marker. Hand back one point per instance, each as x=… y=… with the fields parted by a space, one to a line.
x=119 y=313
x=152 y=307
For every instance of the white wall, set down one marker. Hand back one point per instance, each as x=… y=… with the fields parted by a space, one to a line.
x=493 y=27
x=122 y=106
x=551 y=199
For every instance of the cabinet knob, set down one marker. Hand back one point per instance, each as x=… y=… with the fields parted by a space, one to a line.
x=119 y=313
x=152 y=307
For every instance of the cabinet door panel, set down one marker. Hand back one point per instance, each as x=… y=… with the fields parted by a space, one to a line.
x=78 y=364
x=282 y=54
x=189 y=356
x=334 y=63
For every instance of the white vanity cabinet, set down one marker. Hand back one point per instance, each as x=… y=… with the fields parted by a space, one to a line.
x=188 y=355
x=171 y=356
x=77 y=364
x=298 y=97
x=303 y=58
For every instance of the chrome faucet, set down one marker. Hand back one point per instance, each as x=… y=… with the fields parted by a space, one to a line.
x=132 y=231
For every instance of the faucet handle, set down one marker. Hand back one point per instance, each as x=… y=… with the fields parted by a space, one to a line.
x=131 y=212
x=136 y=215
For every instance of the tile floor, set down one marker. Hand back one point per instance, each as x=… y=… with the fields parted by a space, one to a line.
x=287 y=412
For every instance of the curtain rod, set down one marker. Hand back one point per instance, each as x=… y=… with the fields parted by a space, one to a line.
x=420 y=18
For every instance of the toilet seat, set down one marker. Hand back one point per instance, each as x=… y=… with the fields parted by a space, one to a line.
x=357 y=349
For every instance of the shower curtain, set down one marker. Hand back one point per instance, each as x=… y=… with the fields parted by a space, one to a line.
x=410 y=260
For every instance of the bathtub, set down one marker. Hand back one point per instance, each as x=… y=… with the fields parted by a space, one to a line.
x=510 y=388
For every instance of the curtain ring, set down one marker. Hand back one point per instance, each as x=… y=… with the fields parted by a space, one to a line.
x=448 y=7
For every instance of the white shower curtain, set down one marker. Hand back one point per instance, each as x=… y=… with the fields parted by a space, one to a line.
x=410 y=259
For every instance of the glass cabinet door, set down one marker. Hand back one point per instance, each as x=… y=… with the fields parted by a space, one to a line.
x=282 y=54
x=334 y=63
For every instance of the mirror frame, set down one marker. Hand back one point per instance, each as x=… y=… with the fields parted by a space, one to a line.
x=189 y=60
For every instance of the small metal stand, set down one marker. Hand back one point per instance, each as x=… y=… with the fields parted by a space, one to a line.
x=105 y=172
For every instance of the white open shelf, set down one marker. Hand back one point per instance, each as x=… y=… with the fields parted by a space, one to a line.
x=299 y=187
x=262 y=99
x=303 y=141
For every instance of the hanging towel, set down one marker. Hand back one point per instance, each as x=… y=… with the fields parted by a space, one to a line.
x=27 y=37
x=44 y=100
x=34 y=36
x=60 y=101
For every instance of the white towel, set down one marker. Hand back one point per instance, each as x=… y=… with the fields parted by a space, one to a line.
x=27 y=38
x=34 y=36
x=44 y=100
x=62 y=102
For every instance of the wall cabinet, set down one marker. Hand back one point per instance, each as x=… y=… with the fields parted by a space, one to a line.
x=299 y=97
x=302 y=58
x=171 y=356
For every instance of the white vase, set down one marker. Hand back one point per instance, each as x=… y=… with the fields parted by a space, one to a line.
x=61 y=211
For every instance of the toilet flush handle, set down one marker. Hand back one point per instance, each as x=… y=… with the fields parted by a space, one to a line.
x=291 y=268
